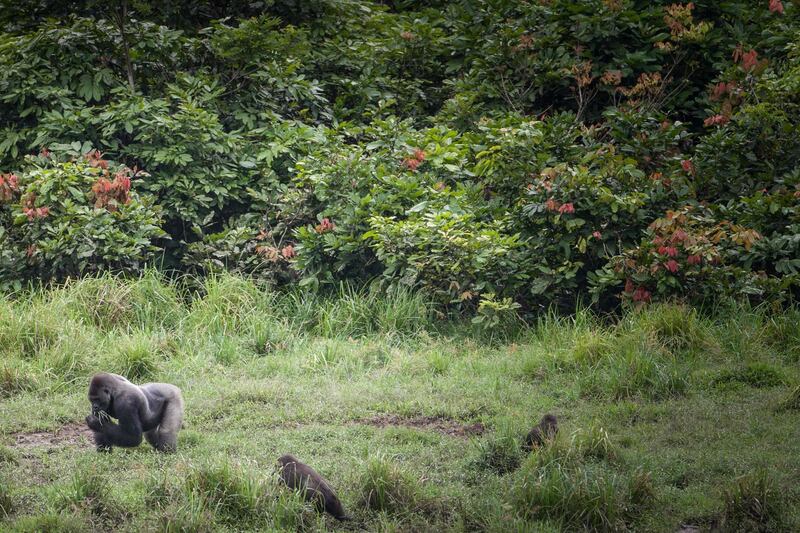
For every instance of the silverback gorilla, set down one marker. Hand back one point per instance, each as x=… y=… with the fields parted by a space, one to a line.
x=155 y=409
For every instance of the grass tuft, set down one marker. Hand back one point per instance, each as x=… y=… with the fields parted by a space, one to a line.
x=791 y=402
x=7 y=501
x=227 y=491
x=753 y=503
x=591 y=347
x=757 y=375
x=386 y=487
x=677 y=327
x=89 y=490
x=438 y=362
x=582 y=496
x=358 y=313
x=50 y=522
x=16 y=377
x=136 y=356
x=636 y=368
x=593 y=443
x=8 y=455
x=501 y=452
x=227 y=305
x=110 y=302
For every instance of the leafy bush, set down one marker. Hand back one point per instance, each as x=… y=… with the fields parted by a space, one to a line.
x=69 y=218
x=687 y=252
x=494 y=154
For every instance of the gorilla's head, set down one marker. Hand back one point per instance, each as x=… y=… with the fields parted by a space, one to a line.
x=100 y=394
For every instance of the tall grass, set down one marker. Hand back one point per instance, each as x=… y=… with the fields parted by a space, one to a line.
x=110 y=302
x=574 y=484
x=754 y=503
x=351 y=312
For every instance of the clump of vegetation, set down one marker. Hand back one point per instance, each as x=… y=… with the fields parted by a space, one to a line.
x=7 y=455
x=111 y=302
x=500 y=452
x=594 y=443
x=575 y=483
x=15 y=377
x=635 y=369
x=385 y=486
x=676 y=327
x=757 y=374
x=89 y=490
x=754 y=503
x=302 y=155
x=226 y=304
x=50 y=522
x=792 y=401
x=296 y=199
x=559 y=485
x=231 y=493
x=592 y=347
x=136 y=356
x=7 y=502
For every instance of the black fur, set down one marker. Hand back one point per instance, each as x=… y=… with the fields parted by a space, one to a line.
x=546 y=430
x=300 y=476
x=153 y=410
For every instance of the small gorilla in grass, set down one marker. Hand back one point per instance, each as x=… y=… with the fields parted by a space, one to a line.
x=546 y=430
x=155 y=409
x=300 y=476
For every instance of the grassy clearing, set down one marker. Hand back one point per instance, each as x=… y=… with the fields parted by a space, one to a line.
x=667 y=416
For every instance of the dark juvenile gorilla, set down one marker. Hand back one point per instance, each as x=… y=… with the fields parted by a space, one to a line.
x=547 y=429
x=300 y=476
x=155 y=409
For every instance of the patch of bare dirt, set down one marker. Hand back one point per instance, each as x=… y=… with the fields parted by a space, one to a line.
x=439 y=424
x=72 y=434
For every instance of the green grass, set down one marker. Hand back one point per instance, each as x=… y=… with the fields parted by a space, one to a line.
x=666 y=415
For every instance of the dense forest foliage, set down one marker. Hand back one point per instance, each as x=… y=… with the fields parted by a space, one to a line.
x=498 y=154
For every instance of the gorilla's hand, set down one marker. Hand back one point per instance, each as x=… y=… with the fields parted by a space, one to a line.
x=94 y=423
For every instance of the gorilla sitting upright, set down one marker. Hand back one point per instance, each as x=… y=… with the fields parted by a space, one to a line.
x=155 y=409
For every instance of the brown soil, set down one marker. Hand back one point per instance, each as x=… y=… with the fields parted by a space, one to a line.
x=72 y=434
x=439 y=424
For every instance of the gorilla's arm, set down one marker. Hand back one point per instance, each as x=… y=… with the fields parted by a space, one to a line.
x=128 y=433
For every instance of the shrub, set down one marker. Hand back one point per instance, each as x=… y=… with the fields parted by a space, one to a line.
x=77 y=217
x=453 y=257
x=683 y=255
